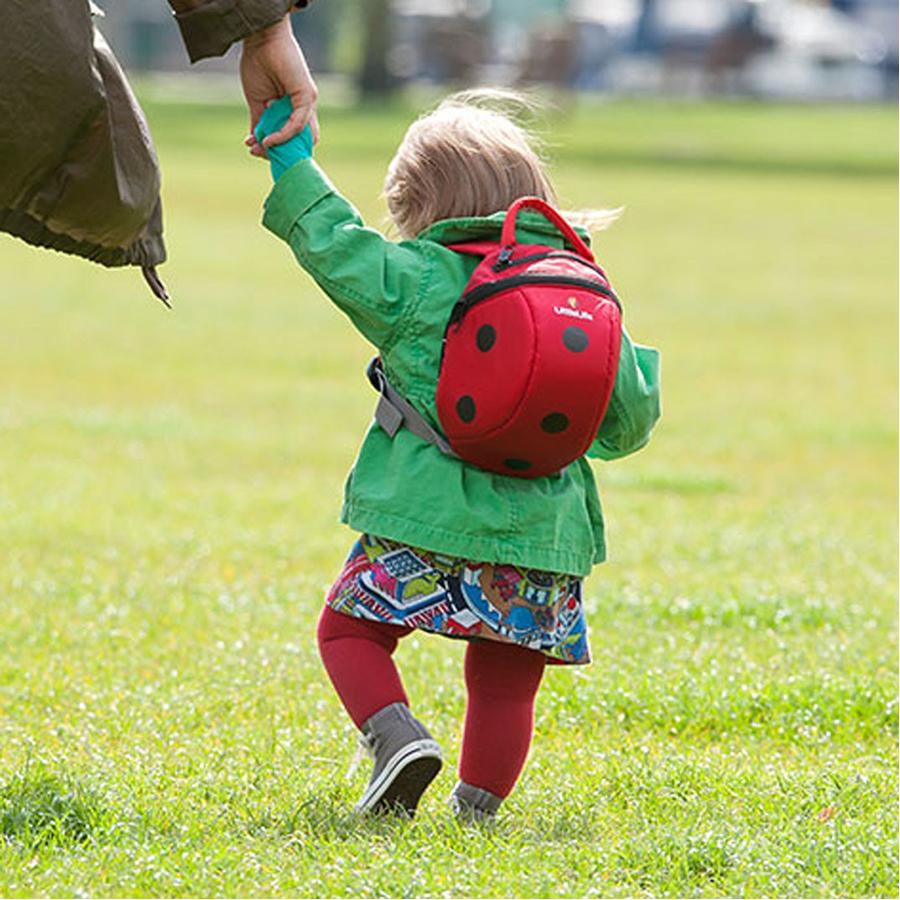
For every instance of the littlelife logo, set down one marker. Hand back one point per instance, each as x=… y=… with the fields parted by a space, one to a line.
x=573 y=313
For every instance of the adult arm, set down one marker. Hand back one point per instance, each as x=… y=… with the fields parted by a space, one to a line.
x=210 y=27
x=78 y=171
x=272 y=63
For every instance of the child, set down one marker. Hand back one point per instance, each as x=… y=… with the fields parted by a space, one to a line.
x=444 y=546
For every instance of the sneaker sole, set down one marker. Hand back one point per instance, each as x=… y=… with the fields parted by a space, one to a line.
x=404 y=779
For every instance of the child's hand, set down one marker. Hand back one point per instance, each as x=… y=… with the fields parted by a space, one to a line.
x=283 y=156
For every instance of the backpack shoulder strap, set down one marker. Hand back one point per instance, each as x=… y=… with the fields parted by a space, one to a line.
x=394 y=411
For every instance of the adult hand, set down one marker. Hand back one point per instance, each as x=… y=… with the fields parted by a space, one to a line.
x=272 y=66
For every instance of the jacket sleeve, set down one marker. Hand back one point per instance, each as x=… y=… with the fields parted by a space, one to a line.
x=634 y=406
x=371 y=279
x=210 y=27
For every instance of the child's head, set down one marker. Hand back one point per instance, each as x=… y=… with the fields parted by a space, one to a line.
x=466 y=158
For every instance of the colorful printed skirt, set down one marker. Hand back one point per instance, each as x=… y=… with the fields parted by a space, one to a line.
x=389 y=582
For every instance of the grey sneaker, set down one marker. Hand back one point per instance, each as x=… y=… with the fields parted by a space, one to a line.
x=472 y=804
x=407 y=759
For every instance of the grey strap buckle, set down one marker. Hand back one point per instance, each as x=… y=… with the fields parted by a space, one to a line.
x=394 y=411
x=388 y=416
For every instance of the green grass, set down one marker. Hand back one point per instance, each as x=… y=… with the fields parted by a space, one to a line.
x=169 y=487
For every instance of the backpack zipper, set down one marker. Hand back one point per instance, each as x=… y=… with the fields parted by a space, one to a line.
x=482 y=292
x=505 y=260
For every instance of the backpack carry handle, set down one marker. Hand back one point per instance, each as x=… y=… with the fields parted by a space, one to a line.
x=508 y=235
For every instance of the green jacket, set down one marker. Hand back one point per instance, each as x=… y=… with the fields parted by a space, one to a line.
x=78 y=171
x=399 y=295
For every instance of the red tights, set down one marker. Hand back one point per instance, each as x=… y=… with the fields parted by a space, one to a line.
x=502 y=681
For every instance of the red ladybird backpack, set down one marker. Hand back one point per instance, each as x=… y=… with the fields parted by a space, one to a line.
x=530 y=356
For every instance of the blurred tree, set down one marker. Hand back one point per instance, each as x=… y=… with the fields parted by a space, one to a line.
x=375 y=77
x=645 y=36
x=315 y=29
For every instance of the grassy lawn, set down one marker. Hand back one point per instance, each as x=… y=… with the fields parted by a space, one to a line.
x=170 y=483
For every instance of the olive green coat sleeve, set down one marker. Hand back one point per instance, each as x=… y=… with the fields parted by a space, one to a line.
x=210 y=27
x=78 y=171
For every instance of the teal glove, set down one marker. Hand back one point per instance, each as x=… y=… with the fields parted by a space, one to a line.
x=283 y=156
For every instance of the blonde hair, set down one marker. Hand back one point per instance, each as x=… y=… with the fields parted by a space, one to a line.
x=470 y=157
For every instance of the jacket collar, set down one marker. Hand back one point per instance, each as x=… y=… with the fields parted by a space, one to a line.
x=533 y=228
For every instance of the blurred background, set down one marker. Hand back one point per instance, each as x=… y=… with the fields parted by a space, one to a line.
x=170 y=481
x=811 y=50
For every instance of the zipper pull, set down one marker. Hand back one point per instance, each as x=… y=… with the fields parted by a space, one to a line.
x=504 y=258
x=456 y=316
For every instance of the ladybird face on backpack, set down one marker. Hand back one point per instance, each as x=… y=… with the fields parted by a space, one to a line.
x=531 y=353
x=521 y=374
